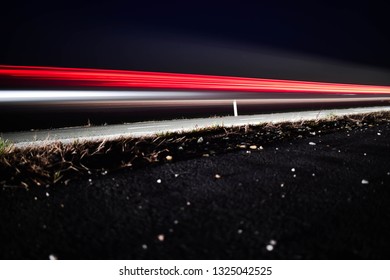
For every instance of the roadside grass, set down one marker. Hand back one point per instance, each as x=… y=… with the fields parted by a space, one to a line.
x=58 y=163
x=5 y=146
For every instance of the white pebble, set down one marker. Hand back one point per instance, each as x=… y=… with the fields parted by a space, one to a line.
x=364 y=182
x=158 y=181
x=239 y=231
x=378 y=133
x=175 y=222
x=144 y=246
x=176 y=175
x=282 y=185
x=200 y=140
x=47 y=194
x=313 y=175
x=53 y=257
x=217 y=176
x=292 y=169
x=312 y=143
x=161 y=237
x=188 y=203
x=269 y=247
x=272 y=242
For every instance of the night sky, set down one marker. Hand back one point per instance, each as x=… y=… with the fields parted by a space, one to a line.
x=318 y=40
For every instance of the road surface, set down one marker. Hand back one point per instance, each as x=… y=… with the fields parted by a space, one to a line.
x=99 y=133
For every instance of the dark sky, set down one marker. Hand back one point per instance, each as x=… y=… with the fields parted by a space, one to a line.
x=211 y=37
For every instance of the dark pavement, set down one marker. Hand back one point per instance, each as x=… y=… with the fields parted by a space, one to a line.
x=291 y=200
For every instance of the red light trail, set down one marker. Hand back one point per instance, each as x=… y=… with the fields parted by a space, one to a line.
x=122 y=79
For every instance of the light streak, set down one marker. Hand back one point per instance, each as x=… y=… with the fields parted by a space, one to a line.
x=28 y=76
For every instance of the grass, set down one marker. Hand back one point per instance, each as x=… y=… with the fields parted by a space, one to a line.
x=58 y=163
x=5 y=146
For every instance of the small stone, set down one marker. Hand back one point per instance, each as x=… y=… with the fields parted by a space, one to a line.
x=261 y=148
x=169 y=158
x=205 y=155
x=379 y=134
x=158 y=181
x=364 y=182
x=239 y=231
x=294 y=175
x=144 y=246
x=248 y=152
x=175 y=222
x=282 y=185
x=253 y=147
x=104 y=172
x=53 y=257
x=200 y=140
x=176 y=175
x=292 y=169
x=35 y=198
x=180 y=148
x=272 y=242
x=217 y=176
x=47 y=194
x=161 y=237
x=188 y=203
x=313 y=175
x=242 y=146
x=62 y=205
x=312 y=143
x=269 y=247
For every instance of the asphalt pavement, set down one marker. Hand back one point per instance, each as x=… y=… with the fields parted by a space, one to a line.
x=322 y=196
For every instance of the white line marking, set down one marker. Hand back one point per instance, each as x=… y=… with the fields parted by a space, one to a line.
x=150 y=126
